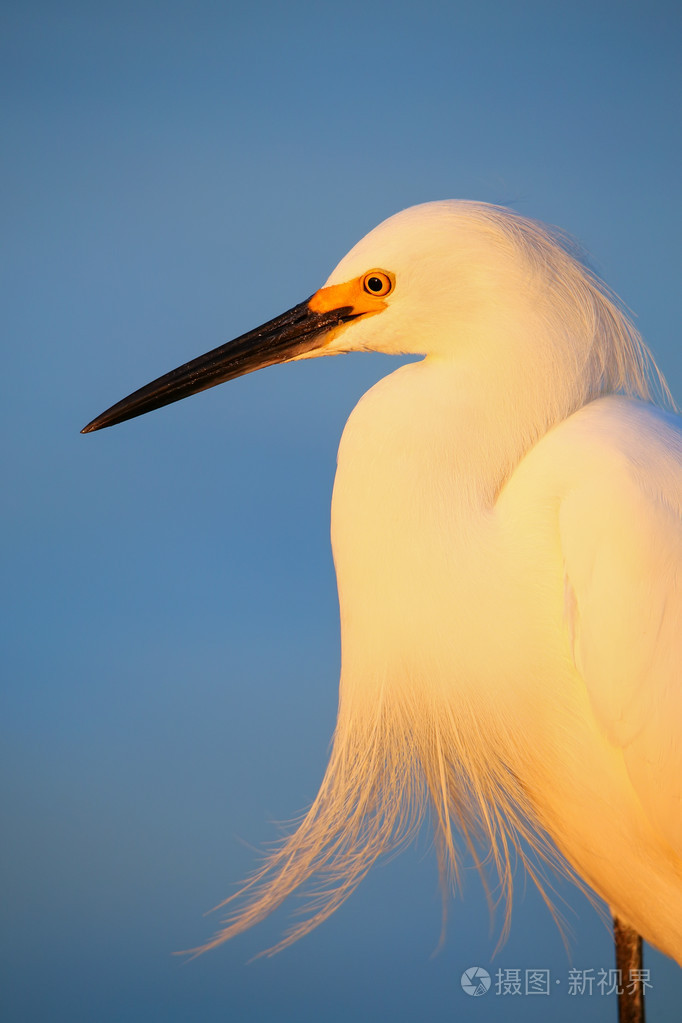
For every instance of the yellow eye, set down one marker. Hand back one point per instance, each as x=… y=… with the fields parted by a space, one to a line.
x=378 y=283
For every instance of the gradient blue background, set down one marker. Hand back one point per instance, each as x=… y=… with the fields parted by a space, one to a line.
x=174 y=174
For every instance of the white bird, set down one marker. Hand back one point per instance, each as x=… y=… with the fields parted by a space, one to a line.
x=507 y=535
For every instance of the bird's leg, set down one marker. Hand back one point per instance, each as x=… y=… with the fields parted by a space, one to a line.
x=628 y=961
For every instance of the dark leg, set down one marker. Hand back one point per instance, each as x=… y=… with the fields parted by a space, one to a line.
x=628 y=957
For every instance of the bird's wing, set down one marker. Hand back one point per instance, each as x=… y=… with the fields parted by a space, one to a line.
x=621 y=537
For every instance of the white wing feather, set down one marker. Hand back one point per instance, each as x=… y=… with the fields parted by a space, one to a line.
x=621 y=537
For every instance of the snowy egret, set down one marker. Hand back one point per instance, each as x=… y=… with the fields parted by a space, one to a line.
x=507 y=535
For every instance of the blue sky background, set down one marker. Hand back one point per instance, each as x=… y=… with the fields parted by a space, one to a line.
x=174 y=174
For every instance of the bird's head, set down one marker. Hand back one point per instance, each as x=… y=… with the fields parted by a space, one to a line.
x=452 y=279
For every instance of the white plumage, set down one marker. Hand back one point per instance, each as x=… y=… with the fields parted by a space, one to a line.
x=507 y=535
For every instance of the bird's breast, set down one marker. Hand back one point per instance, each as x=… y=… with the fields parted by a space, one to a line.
x=430 y=582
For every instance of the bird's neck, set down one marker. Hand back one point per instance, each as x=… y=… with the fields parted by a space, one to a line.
x=436 y=427
x=422 y=460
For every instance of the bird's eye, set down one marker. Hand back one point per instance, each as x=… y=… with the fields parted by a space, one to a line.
x=377 y=282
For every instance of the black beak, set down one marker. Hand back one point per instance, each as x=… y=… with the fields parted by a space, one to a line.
x=294 y=333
